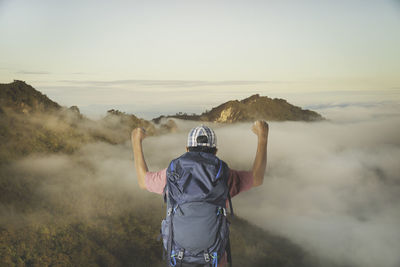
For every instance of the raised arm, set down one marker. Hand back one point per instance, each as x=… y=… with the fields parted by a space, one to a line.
x=260 y=128
x=138 y=134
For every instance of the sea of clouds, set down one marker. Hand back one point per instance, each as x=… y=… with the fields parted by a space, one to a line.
x=333 y=187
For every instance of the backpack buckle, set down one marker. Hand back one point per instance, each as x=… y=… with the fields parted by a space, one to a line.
x=206 y=257
x=180 y=255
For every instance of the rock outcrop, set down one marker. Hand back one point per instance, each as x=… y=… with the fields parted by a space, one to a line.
x=252 y=108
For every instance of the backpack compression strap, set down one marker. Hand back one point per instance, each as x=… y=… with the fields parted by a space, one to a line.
x=228 y=252
x=228 y=245
x=169 y=242
x=230 y=203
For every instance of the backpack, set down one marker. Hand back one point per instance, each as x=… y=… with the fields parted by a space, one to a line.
x=195 y=231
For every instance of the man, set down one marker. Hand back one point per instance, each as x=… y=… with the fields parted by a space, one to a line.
x=202 y=139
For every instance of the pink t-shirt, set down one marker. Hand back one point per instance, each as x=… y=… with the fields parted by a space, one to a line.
x=238 y=181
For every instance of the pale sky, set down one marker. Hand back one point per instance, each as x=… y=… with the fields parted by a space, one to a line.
x=155 y=57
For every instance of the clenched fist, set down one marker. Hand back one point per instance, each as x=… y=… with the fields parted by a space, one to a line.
x=138 y=134
x=260 y=128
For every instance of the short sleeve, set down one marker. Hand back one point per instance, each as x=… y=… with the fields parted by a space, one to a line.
x=155 y=181
x=239 y=181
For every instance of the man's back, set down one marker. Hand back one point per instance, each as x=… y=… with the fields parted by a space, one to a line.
x=200 y=182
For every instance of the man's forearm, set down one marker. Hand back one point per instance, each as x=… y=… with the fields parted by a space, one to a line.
x=140 y=163
x=260 y=162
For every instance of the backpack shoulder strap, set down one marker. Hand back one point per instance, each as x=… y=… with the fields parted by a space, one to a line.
x=171 y=168
x=223 y=166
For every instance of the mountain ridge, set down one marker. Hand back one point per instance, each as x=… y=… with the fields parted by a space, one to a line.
x=21 y=97
x=251 y=108
x=30 y=122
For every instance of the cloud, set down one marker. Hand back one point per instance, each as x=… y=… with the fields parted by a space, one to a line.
x=359 y=111
x=342 y=105
x=166 y=83
x=33 y=72
x=79 y=73
x=331 y=187
x=96 y=181
x=140 y=100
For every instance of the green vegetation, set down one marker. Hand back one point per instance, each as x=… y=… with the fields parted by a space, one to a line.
x=56 y=217
x=23 y=98
x=32 y=123
x=22 y=135
x=120 y=241
x=128 y=241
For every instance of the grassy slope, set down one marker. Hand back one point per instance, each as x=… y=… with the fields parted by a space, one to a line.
x=128 y=241
x=39 y=228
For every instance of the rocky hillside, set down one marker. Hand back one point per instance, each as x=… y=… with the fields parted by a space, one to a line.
x=30 y=122
x=253 y=108
x=23 y=98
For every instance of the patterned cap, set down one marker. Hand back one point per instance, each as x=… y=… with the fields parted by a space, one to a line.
x=202 y=136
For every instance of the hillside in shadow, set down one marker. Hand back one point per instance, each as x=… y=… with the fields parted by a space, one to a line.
x=30 y=122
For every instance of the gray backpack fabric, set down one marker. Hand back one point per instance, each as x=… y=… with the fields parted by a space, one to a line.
x=195 y=231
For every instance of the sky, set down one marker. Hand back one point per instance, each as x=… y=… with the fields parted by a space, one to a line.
x=157 y=57
x=341 y=58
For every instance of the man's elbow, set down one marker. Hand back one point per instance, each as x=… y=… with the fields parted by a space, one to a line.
x=141 y=182
x=142 y=186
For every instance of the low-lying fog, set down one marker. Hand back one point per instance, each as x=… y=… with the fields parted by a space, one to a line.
x=332 y=187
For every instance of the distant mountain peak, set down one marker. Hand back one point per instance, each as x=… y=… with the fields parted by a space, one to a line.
x=250 y=99
x=253 y=108
x=260 y=107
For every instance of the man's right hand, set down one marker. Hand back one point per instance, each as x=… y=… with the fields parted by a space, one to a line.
x=138 y=134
